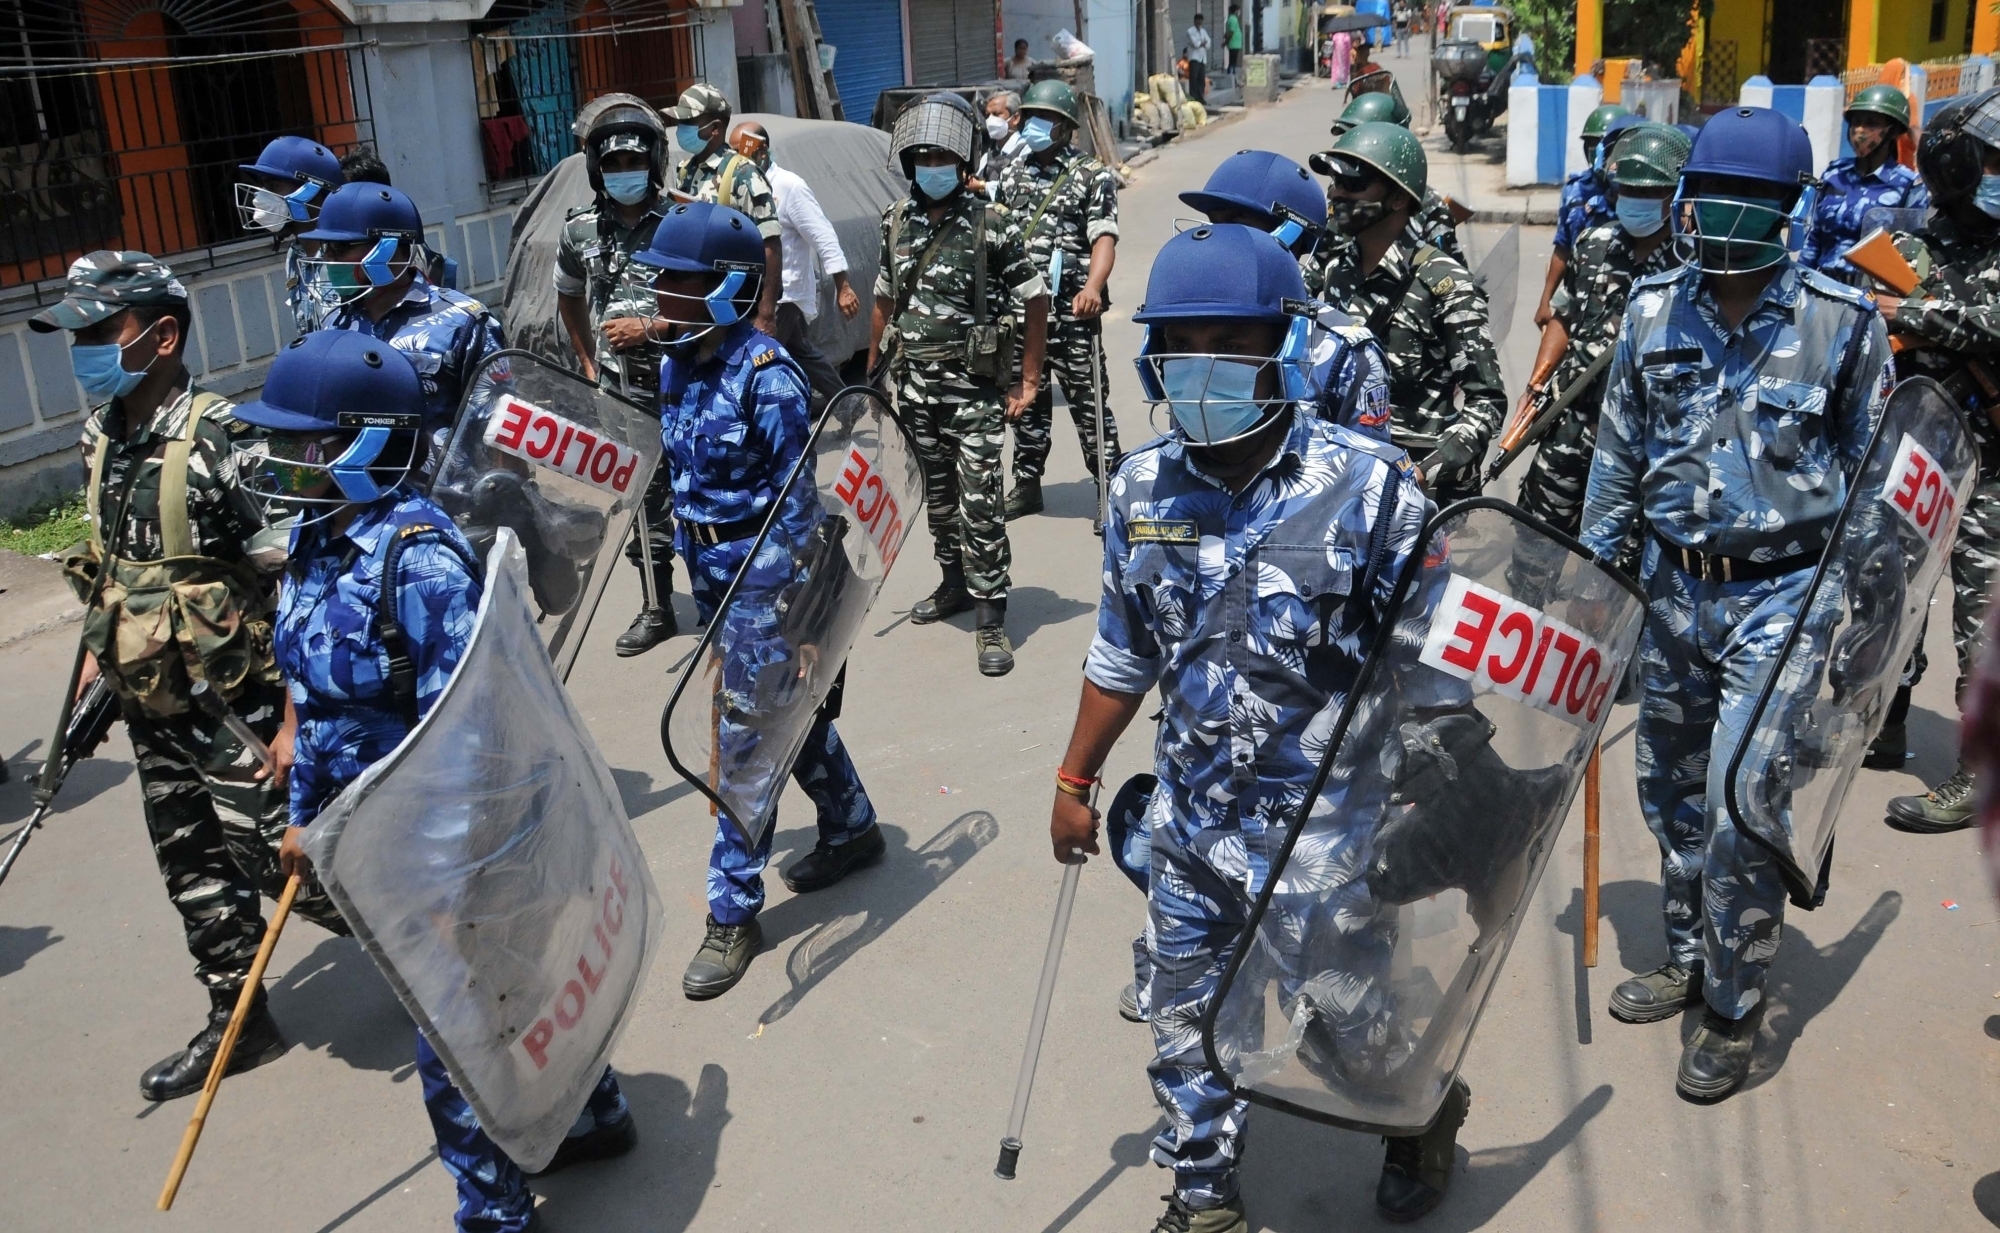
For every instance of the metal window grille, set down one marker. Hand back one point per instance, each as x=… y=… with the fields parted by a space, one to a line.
x=535 y=64
x=1718 y=73
x=1825 y=57
x=122 y=123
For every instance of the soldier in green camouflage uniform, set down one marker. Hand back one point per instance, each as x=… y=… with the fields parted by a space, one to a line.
x=949 y=364
x=215 y=818
x=1434 y=221
x=714 y=172
x=1444 y=379
x=1589 y=306
x=607 y=317
x=1065 y=202
x=1948 y=328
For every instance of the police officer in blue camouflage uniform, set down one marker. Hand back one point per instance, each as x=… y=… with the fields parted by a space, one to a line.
x=734 y=419
x=347 y=712
x=282 y=194
x=1850 y=187
x=1584 y=202
x=1217 y=532
x=1741 y=399
x=372 y=257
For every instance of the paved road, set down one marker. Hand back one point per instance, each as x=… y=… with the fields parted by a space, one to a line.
x=859 y=1077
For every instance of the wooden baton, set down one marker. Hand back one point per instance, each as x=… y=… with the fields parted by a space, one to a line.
x=1591 y=776
x=221 y=1066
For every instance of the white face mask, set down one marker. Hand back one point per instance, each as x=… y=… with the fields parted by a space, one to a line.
x=996 y=127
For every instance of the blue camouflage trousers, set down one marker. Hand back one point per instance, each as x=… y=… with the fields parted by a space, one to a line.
x=493 y=1194
x=1704 y=647
x=823 y=769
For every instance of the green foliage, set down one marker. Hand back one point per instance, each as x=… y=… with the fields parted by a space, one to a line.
x=1654 y=30
x=1552 y=24
x=50 y=528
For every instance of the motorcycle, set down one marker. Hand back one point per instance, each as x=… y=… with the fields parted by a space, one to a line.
x=1472 y=67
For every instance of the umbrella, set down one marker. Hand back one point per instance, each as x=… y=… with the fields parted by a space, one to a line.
x=1351 y=22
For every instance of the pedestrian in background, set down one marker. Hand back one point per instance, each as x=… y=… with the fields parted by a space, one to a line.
x=1196 y=54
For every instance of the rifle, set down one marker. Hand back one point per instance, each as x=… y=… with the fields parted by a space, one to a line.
x=1543 y=413
x=82 y=726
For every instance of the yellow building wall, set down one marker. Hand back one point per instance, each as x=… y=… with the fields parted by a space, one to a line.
x=1741 y=22
x=1903 y=27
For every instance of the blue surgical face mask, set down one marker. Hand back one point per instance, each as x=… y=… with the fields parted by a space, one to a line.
x=1641 y=216
x=1987 y=196
x=628 y=187
x=1211 y=398
x=938 y=183
x=1039 y=132
x=100 y=370
x=688 y=138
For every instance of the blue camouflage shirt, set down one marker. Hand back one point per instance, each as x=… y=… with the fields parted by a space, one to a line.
x=1847 y=196
x=1239 y=607
x=732 y=427
x=1738 y=441
x=1585 y=202
x=445 y=334
x=331 y=652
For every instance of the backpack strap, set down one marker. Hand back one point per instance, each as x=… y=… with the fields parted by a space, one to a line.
x=979 y=266
x=176 y=537
x=388 y=620
x=725 y=180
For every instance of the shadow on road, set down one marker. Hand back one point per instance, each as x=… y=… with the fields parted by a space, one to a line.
x=1075 y=498
x=1127 y=1152
x=1300 y=1176
x=636 y=790
x=1632 y=911
x=1028 y=610
x=362 y=1204
x=18 y=945
x=1934 y=740
x=1986 y=1197
x=1805 y=980
x=334 y=999
x=660 y=1186
x=87 y=780
x=865 y=907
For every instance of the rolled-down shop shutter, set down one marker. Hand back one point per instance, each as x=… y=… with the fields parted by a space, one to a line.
x=869 y=37
x=952 y=42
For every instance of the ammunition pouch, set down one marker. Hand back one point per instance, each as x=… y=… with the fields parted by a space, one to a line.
x=160 y=626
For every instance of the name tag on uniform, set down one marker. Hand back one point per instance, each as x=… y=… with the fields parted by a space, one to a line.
x=1161 y=531
x=593 y=252
x=1672 y=355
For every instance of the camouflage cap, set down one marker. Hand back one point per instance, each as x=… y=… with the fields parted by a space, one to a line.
x=107 y=282
x=698 y=103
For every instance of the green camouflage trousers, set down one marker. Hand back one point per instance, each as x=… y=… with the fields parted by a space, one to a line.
x=1069 y=361
x=1554 y=486
x=1975 y=567
x=957 y=424
x=216 y=831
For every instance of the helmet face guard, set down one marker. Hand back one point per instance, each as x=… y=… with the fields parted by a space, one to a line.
x=378 y=266
x=260 y=209
x=282 y=468
x=728 y=302
x=1212 y=397
x=1740 y=235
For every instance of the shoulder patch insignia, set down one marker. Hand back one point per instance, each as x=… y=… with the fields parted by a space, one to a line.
x=1161 y=531
x=762 y=358
x=1444 y=285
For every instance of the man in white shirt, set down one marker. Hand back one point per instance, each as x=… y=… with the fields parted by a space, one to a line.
x=1197 y=61
x=810 y=245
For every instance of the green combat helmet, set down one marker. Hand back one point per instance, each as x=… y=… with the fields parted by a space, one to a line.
x=1885 y=101
x=1053 y=98
x=1650 y=156
x=1393 y=151
x=1595 y=122
x=1373 y=106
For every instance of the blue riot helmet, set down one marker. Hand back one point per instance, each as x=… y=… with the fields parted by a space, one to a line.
x=308 y=172
x=1748 y=179
x=375 y=215
x=342 y=414
x=721 y=245
x=1268 y=191
x=1224 y=273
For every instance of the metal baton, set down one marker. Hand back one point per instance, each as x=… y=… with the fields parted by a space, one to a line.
x=1024 y=1087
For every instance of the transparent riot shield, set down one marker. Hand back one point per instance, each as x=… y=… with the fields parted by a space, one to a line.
x=743 y=707
x=488 y=868
x=1823 y=699
x=1499 y=274
x=1370 y=951
x=544 y=452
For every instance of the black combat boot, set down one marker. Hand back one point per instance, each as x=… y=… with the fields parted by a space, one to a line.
x=1025 y=499
x=996 y=654
x=185 y=1072
x=828 y=863
x=950 y=599
x=1417 y=1168
x=1947 y=807
x=1659 y=994
x=649 y=629
x=725 y=955
x=1717 y=1057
